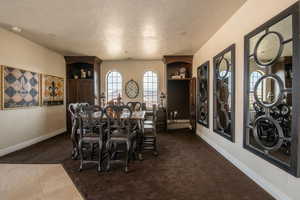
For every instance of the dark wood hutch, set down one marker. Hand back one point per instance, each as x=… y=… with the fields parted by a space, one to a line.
x=181 y=90
x=82 y=88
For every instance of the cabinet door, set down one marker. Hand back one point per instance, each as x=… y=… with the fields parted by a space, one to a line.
x=85 y=91
x=72 y=91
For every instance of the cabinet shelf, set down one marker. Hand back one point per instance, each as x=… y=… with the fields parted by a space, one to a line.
x=179 y=79
x=80 y=79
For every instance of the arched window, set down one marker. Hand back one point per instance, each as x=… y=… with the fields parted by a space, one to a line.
x=113 y=85
x=150 y=88
x=254 y=76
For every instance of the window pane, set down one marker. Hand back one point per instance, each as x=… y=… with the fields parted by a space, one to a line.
x=114 y=85
x=150 y=88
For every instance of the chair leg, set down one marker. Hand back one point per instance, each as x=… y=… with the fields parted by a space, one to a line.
x=155 y=142
x=100 y=156
x=92 y=150
x=134 y=154
x=114 y=149
x=155 y=147
x=109 y=155
x=81 y=155
x=128 y=145
x=131 y=153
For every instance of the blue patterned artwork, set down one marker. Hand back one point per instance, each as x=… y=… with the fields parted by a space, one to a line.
x=20 y=88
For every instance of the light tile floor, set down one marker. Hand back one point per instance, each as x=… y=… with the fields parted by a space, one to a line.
x=34 y=182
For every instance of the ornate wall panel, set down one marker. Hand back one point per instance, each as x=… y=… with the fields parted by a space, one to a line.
x=203 y=94
x=20 y=88
x=224 y=93
x=132 y=89
x=272 y=88
x=52 y=90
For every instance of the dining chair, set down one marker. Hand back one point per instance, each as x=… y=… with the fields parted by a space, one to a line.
x=150 y=134
x=144 y=107
x=91 y=135
x=134 y=106
x=75 y=109
x=120 y=133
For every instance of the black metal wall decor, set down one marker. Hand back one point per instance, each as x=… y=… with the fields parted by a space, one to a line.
x=132 y=89
x=203 y=94
x=224 y=93
x=272 y=91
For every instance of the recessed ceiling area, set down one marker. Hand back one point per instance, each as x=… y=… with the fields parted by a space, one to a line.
x=118 y=29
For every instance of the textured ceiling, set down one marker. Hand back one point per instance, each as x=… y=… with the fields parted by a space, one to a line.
x=118 y=29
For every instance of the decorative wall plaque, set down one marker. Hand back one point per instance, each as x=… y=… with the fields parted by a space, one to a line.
x=52 y=90
x=132 y=89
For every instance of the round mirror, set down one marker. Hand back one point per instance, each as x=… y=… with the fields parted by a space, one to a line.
x=268 y=133
x=268 y=49
x=223 y=93
x=223 y=121
x=202 y=73
x=132 y=89
x=272 y=90
x=285 y=110
x=202 y=113
x=202 y=90
x=223 y=68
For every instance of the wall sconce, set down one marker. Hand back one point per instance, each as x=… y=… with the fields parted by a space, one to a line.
x=102 y=99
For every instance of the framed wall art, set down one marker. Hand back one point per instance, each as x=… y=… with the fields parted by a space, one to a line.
x=52 y=90
x=132 y=89
x=224 y=93
x=20 y=88
x=272 y=91
x=203 y=94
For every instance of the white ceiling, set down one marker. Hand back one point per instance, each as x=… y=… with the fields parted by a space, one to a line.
x=118 y=29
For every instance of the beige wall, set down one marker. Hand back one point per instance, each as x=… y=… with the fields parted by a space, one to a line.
x=21 y=125
x=133 y=69
x=252 y=14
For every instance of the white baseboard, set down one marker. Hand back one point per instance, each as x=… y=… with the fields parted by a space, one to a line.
x=27 y=143
x=266 y=185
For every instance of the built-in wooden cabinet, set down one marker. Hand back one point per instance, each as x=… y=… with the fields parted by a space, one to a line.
x=181 y=98
x=79 y=88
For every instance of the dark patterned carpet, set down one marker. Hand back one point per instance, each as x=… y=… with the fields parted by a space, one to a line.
x=186 y=169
